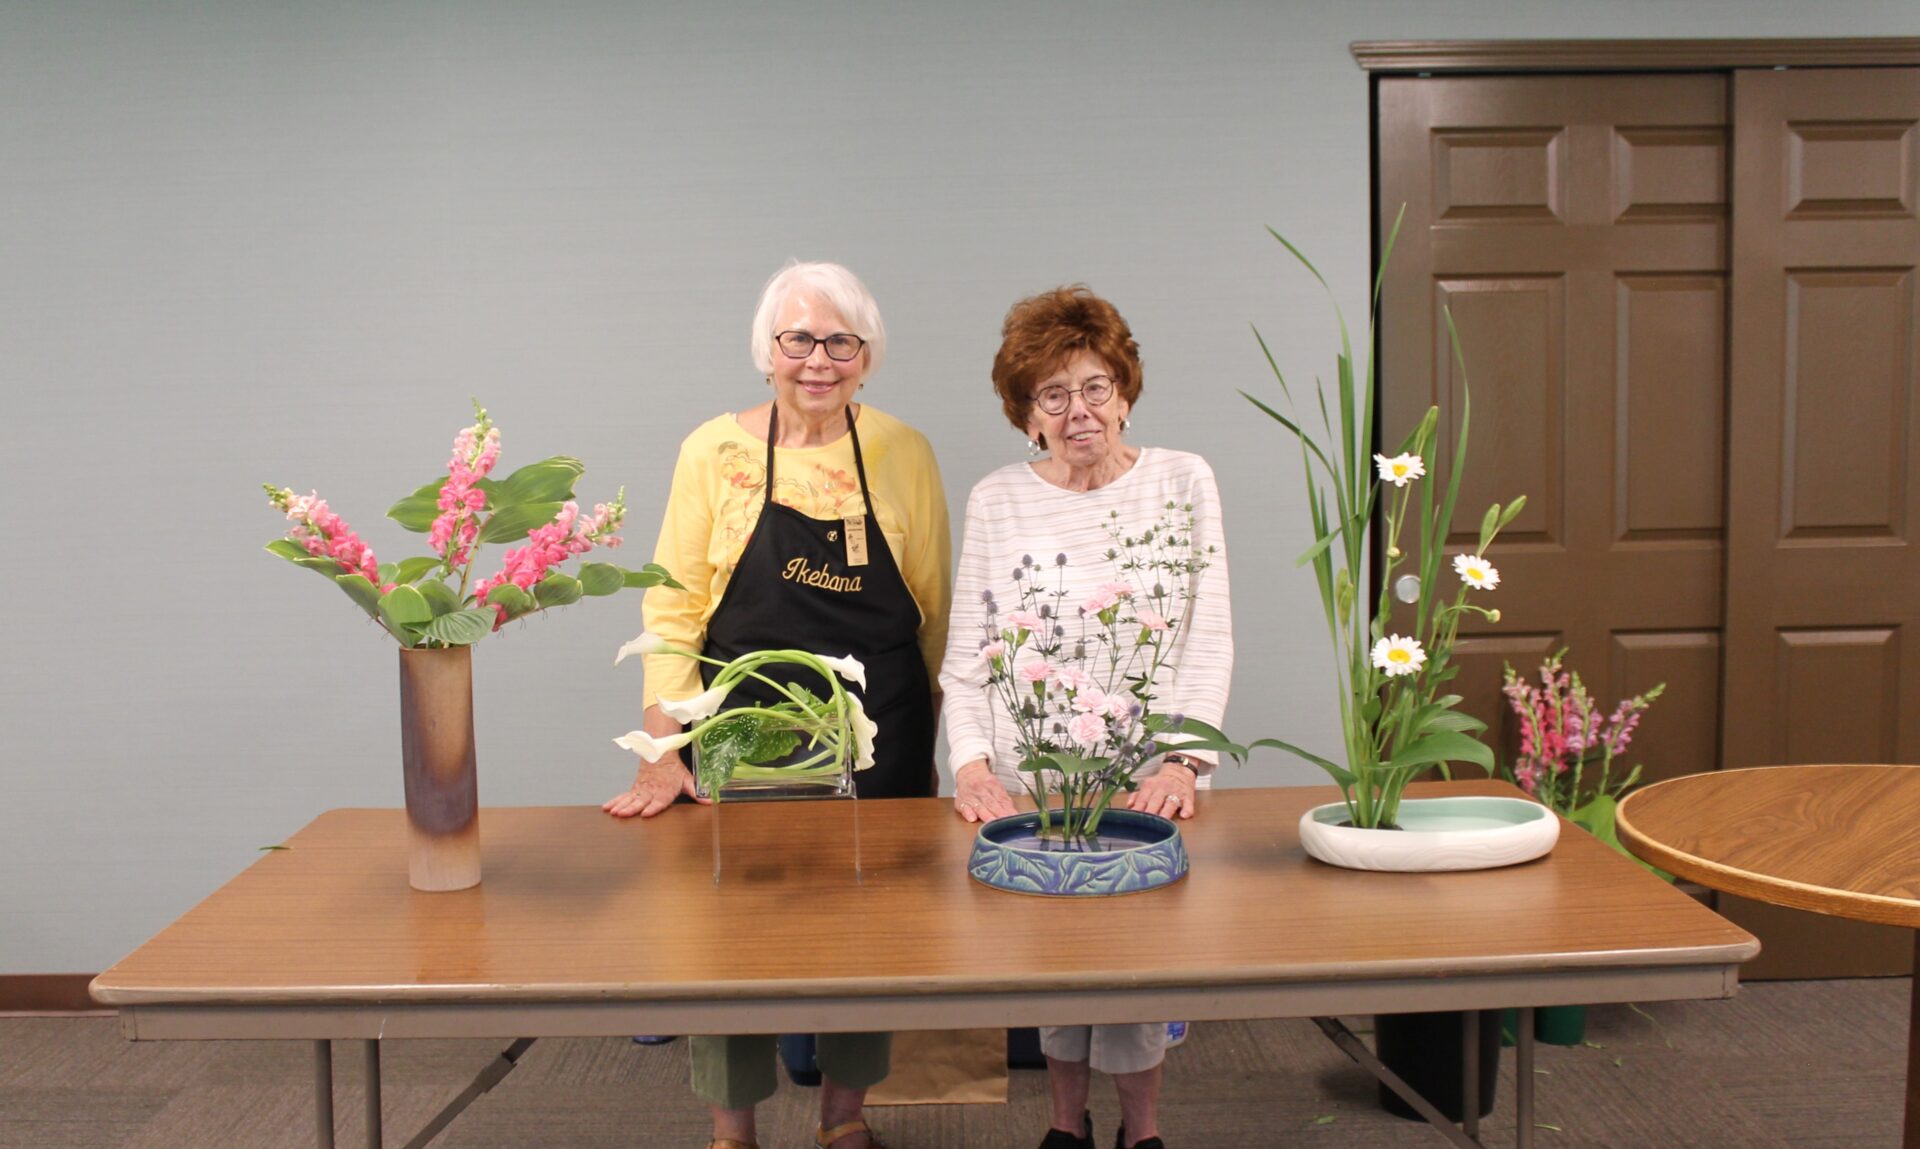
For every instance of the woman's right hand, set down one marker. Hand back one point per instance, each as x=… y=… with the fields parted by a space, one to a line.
x=657 y=786
x=977 y=795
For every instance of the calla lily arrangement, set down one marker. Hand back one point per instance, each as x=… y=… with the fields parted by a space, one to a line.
x=744 y=743
x=1395 y=716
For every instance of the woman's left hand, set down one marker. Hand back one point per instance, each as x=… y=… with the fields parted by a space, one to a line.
x=1168 y=793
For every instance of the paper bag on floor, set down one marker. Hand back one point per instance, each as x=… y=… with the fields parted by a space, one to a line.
x=945 y=1067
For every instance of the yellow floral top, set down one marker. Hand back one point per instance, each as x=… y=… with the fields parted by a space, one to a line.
x=715 y=503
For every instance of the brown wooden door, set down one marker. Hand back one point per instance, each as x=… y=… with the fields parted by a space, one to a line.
x=1577 y=227
x=1823 y=577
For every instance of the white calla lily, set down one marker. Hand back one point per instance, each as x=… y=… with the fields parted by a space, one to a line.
x=647 y=643
x=697 y=708
x=865 y=730
x=649 y=747
x=848 y=668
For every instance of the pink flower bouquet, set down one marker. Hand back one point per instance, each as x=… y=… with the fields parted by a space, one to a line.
x=1568 y=746
x=415 y=600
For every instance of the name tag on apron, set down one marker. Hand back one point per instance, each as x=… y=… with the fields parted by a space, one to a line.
x=856 y=527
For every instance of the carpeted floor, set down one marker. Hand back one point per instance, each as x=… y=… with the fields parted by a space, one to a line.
x=1797 y=1065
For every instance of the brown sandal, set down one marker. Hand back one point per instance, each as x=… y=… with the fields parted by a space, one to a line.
x=730 y=1143
x=824 y=1138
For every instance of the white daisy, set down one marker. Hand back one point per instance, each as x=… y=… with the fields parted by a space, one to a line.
x=1400 y=469
x=1476 y=572
x=1395 y=656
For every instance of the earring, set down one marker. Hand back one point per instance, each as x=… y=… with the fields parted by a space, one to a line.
x=1126 y=424
x=1034 y=449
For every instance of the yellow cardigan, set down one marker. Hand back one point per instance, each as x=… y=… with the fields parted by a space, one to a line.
x=718 y=484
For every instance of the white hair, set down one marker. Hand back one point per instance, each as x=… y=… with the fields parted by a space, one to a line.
x=835 y=285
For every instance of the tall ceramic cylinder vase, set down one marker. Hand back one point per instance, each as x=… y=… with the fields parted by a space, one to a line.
x=436 y=751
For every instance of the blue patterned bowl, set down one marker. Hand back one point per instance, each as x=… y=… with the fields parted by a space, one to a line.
x=1135 y=852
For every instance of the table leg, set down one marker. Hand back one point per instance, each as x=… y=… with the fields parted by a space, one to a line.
x=1523 y=1082
x=1470 y=1073
x=323 y=1094
x=1911 y=1138
x=370 y=1059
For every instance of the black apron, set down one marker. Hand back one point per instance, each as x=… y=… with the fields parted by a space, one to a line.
x=793 y=588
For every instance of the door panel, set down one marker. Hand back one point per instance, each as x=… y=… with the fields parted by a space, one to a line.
x=1577 y=229
x=1823 y=582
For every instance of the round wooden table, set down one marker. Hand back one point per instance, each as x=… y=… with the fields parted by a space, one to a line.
x=1841 y=840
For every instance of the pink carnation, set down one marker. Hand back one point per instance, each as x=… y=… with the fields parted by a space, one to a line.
x=1089 y=730
x=1025 y=620
x=993 y=651
x=1036 y=672
x=1151 y=620
x=1072 y=678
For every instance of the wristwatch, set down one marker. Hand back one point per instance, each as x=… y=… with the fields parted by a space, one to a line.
x=1182 y=760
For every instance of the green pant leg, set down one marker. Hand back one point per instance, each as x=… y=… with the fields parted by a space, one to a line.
x=855 y=1060
x=735 y=1071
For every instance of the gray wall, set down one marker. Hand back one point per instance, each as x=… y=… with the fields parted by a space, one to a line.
x=286 y=242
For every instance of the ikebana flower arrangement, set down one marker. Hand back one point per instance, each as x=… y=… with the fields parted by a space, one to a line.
x=433 y=601
x=820 y=736
x=1563 y=732
x=1396 y=716
x=1077 y=678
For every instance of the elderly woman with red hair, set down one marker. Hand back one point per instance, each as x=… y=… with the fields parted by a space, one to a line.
x=1069 y=378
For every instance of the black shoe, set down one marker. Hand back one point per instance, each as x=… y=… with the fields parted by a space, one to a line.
x=1120 y=1141
x=1061 y=1139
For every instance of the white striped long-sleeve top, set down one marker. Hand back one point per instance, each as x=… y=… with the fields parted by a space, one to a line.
x=1014 y=513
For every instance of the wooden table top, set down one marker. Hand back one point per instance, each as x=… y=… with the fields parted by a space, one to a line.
x=579 y=906
x=1842 y=840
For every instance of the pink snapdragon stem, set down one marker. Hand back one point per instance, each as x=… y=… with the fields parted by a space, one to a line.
x=327 y=535
x=475 y=450
x=550 y=545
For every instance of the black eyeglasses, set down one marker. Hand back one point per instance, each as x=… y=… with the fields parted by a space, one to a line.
x=799 y=345
x=1096 y=390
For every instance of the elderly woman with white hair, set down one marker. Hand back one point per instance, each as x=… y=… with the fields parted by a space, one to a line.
x=808 y=481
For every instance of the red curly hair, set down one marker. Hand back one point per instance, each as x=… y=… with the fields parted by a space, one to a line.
x=1043 y=331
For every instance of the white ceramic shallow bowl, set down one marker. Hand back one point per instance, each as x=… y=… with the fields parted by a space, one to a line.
x=1436 y=834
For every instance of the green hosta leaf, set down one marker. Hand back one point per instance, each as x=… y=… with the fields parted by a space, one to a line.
x=601 y=578
x=653 y=574
x=1443 y=746
x=417 y=511
x=413 y=569
x=740 y=740
x=440 y=597
x=405 y=608
x=512 y=524
x=517 y=601
x=547 y=481
x=361 y=591
x=557 y=590
x=287 y=549
x=462 y=628
x=387 y=573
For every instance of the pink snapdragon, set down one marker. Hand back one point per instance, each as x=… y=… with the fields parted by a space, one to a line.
x=475 y=450
x=326 y=535
x=547 y=547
